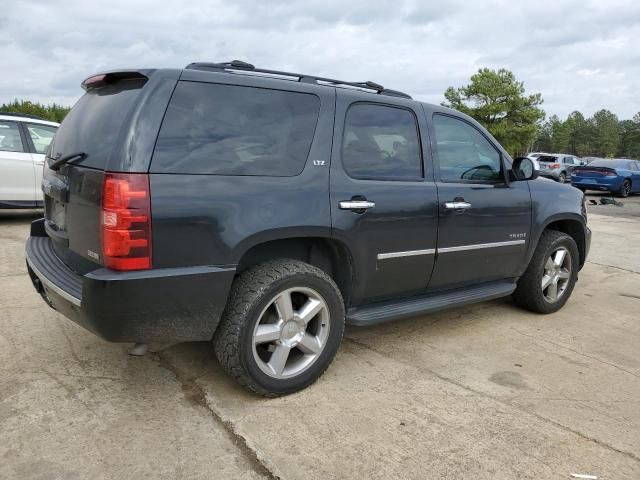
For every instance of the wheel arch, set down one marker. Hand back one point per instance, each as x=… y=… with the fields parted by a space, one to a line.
x=330 y=255
x=574 y=228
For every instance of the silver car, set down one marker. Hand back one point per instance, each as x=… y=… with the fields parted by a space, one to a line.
x=558 y=166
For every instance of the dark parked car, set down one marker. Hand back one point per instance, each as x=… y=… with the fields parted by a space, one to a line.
x=618 y=176
x=264 y=210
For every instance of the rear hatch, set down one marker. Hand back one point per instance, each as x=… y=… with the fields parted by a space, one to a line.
x=110 y=127
x=546 y=162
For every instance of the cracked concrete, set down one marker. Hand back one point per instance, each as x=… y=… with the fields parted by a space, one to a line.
x=487 y=391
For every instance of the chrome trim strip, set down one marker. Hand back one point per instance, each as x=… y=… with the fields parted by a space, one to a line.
x=411 y=253
x=478 y=246
x=67 y=296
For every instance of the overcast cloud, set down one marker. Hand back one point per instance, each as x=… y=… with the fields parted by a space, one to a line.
x=581 y=55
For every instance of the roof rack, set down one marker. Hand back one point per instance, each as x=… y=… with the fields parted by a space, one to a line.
x=238 y=65
x=23 y=115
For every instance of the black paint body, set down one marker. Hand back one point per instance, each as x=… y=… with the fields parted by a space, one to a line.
x=205 y=227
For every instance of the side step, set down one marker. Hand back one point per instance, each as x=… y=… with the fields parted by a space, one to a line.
x=409 y=307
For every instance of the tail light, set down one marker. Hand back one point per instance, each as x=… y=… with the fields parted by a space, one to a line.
x=610 y=174
x=554 y=165
x=126 y=221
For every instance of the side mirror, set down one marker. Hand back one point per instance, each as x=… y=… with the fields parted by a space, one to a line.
x=524 y=169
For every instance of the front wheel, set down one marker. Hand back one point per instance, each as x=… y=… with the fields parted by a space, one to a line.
x=551 y=275
x=281 y=328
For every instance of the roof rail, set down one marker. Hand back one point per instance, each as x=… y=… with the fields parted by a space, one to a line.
x=238 y=65
x=22 y=115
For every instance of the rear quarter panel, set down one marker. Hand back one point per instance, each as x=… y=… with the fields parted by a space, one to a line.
x=215 y=219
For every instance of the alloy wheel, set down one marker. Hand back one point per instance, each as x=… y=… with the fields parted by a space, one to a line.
x=291 y=332
x=557 y=274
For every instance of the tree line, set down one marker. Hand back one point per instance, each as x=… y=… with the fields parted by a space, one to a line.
x=602 y=135
x=497 y=100
x=52 y=112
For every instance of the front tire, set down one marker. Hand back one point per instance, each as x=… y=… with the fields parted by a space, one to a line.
x=551 y=275
x=281 y=328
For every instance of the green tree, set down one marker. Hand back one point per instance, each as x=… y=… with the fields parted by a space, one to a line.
x=544 y=140
x=498 y=101
x=580 y=133
x=560 y=134
x=630 y=138
x=52 y=112
x=606 y=133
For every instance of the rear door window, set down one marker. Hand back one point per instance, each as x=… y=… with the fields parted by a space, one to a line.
x=41 y=136
x=381 y=143
x=235 y=130
x=10 y=140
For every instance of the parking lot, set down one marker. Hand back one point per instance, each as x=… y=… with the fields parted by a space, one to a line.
x=488 y=391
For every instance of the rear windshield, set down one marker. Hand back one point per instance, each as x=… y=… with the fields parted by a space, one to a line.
x=233 y=130
x=547 y=158
x=95 y=123
x=610 y=163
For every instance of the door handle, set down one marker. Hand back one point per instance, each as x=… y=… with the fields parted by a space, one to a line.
x=356 y=205
x=457 y=205
x=39 y=164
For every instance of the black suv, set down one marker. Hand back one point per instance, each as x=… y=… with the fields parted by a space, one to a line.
x=265 y=209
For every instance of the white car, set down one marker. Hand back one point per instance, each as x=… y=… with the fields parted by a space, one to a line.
x=23 y=142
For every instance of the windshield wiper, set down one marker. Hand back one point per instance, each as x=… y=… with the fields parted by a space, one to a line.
x=67 y=159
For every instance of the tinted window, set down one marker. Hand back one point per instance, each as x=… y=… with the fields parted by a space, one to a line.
x=381 y=143
x=232 y=130
x=94 y=123
x=41 y=135
x=464 y=154
x=633 y=166
x=10 y=140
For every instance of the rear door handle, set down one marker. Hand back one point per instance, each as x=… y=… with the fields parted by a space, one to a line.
x=457 y=205
x=356 y=204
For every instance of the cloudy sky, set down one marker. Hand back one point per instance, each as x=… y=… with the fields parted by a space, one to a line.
x=581 y=55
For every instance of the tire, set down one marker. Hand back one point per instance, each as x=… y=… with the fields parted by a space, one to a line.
x=529 y=293
x=625 y=190
x=562 y=178
x=254 y=305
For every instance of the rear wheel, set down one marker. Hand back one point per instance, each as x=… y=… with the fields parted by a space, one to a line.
x=625 y=190
x=282 y=327
x=562 y=178
x=551 y=275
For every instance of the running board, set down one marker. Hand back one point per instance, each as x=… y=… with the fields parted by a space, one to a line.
x=409 y=307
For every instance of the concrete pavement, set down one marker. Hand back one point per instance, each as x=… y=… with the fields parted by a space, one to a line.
x=487 y=391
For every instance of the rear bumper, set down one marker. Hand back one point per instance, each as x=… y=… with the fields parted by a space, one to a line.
x=162 y=305
x=613 y=184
